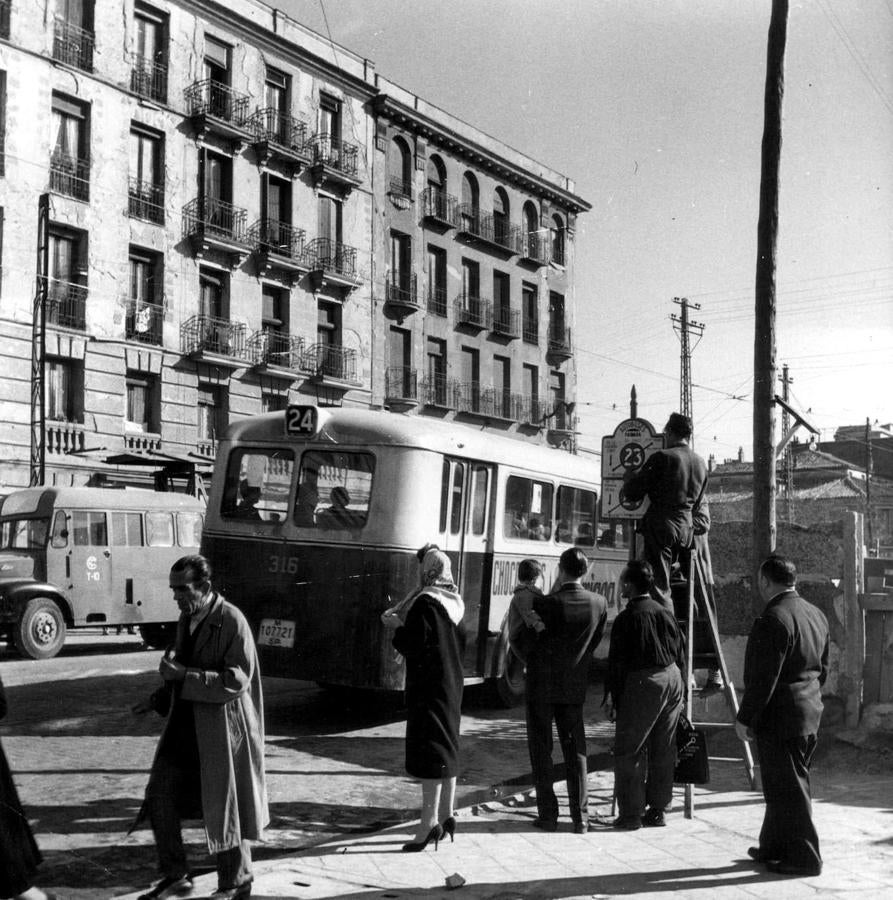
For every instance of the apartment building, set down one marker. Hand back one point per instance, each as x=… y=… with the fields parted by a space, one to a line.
x=201 y=201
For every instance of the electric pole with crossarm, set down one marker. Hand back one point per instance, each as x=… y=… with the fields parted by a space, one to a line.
x=685 y=327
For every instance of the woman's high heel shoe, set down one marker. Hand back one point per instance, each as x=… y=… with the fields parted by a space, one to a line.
x=435 y=834
x=449 y=828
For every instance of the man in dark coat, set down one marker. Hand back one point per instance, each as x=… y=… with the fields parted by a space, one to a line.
x=785 y=666
x=674 y=480
x=557 y=677
x=644 y=683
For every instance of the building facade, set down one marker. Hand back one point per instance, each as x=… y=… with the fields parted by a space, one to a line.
x=216 y=212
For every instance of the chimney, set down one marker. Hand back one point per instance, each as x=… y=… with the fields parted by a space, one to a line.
x=711 y=462
x=741 y=454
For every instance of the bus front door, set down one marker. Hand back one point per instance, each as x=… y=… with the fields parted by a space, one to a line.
x=468 y=513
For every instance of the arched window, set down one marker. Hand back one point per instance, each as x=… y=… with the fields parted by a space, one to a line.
x=471 y=203
x=400 y=168
x=557 y=240
x=436 y=173
x=531 y=230
x=500 y=216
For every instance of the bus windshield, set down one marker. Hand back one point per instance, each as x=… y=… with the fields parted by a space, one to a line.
x=23 y=534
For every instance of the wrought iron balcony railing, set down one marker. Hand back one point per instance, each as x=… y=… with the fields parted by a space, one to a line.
x=144 y=322
x=469 y=397
x=440 y=391
x=4 y=17
x=560 y=343
x=440 y=206
x=329 y=361
x=72 y=45
x=561 y=419
x=558 y=253
x=209 y=334
x=473 y=311
x=531 y=410
x=210 y=217
x=530 y=330
x=401 y=383
x=437 y=301
x=66 y=304
x=491 y=229
x=401 y=188
x=275 y=348
x=145 y=201
x=501 y=403
x=70 y=176
x=506 y=321
x=280 y=238
x=336 y=154
x=270 y=124
x=535 y=248
x=401 y=289
x=148 y=77
x=217 y=100
x=332 y=256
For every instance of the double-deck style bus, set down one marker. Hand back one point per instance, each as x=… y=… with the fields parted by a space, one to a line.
x=315 y=515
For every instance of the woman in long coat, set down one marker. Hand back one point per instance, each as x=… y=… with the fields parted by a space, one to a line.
x=429 y=636
x=19 y=856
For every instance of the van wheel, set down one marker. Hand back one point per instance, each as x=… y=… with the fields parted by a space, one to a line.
x=41 y=630
x=508 y=686
x=158 y=635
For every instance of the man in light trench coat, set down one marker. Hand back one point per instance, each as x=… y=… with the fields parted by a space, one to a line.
x=209 y=762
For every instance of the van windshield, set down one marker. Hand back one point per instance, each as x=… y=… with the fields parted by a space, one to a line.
x=23 y=534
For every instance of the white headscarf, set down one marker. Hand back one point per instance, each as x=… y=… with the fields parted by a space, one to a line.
x=436 y=575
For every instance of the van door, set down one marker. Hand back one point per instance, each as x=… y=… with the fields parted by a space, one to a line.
x=129 y=570
x=466 y=501
x=90 y=567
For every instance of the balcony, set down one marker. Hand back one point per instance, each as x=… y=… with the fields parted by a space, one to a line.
x=145 y=201
x=279 y=138
x=530 y=330
x=331 y=365
x=215 y=108
x=534 y=249
x=400 y=192
x=531 y=410
x=401 y=388
x=70 y=176
x=402 y=294
x=210 y=224
x=219 y=341
x=472 y=312
x=4 y=18
x=148 y=78
x=144 y=322
x=491 y=232
x=506 y=322
x=63 y=438
x=335 y=163
x=437 y=302
x=498 y=403
x=439 y=391
x=562 y=424
x=279 y=247
x=276 y=353
x=66 y=304
x=72 y=45
x=469 y=398
x=332 y=264
x=559 y=347
x=440 y=208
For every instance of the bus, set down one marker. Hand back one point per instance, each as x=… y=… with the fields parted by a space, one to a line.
x=315 y=516
x=83 y=556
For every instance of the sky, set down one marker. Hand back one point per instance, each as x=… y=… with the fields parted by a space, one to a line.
x=655 y=109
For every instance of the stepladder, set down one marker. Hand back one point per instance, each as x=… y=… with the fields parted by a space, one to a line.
x=695 y=605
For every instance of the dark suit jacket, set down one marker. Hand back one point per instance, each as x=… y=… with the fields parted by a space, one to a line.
x=785 y=666
x=558 y=659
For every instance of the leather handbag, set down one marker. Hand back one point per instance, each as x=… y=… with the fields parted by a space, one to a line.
x=692 y=761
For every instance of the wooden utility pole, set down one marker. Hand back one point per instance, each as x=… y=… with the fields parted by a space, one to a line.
x=764 y=308
x=869 y=468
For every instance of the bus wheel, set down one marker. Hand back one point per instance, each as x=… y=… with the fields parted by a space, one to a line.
x=157 y=635
x=508 y=686
x=41 y=630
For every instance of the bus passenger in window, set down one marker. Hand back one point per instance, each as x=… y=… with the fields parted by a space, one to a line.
x=338 y=515
x=519 y=523
x=537 y=531
x=429 y=635
x=308 y=498
x=247 y=508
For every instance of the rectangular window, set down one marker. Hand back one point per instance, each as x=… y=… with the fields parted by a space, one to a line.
x=502 y=386
x=530 y=313
x=70 y=159
x=145 y=276
x=556 y=396
x=216 y=178
x=471 y=279
x=556 y=315
x=159 y=529
x=401 y=261
x=437 y=280
x=334 y=490
x=329 y=222
x=576 y=516
x=270 y=402
x=328 y=121
x=328 y=324
x=189 y=529
x=213 y=413
x=89 y=529
x=274 y=310
x=275 y=203
x=217 y=62
x=276 y=89
x=436 y=390
x=258 y=485
x=501 y=292
x=146 y=179
x=528 y=509
x=127 y=529
x=211 y=291
x=480 y=481
x=471 y=379
x=142 y=412
x=148 y=76
x=64 y=386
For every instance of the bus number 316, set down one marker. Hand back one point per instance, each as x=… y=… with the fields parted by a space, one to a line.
x=284 y=565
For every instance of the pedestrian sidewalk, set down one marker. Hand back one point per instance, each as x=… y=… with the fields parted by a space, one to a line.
x=500 y=855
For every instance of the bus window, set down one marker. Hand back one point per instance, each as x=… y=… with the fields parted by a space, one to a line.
x=159 y=529
x=458 y=485
x=23 y=534
x=528 y=509
x=576 y=517
x=60 y=530
x=479 y=484
x=189 y=529
x=615 y=533
x=258 y=485
x=127 y=529
x=89 y=529
x=444 y=495
x=334 y=489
